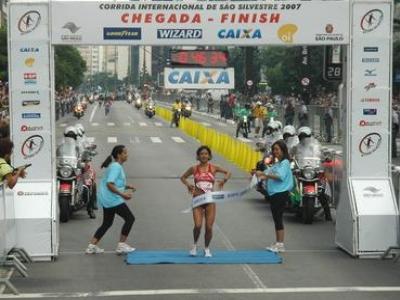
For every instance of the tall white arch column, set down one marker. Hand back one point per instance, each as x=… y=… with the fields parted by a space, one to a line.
x=367 y=214
x=33 y=126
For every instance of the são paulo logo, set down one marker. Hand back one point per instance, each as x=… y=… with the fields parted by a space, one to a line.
x=239 y=34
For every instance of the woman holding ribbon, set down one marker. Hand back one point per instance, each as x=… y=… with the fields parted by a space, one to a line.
x=204 y=182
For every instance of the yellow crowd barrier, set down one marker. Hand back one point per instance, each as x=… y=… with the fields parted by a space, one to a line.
x=235 y=151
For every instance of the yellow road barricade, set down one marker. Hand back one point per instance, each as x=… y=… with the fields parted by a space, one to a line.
x=237 y=152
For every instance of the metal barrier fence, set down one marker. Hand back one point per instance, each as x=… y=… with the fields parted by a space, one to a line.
x=3 y=227
x=316 y=117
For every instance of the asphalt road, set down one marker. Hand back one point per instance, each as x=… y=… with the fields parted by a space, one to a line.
x=313 y=267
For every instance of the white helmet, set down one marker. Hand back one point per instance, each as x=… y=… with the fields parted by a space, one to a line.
x=80 y=129
x=290 y=130
x=274 y=125
x=258 y=103
x=304 y=132
x=71 y=131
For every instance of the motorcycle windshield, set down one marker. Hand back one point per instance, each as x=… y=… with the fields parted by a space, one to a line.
x=308 y=153
x=67 y=154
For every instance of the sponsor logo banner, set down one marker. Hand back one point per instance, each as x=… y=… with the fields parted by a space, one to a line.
x=240 y=34
x=30 y=102
x=204 y=22
x=364 y=123
x=29 y=50
x=371 y=20
x=26 y=128
x=179 y=33
x=22 y=193
x=32 y=146
x=370 y=143
x=370 y=59
x=122 y=33
x=72 y=28
x=31 y=116
x=199 y=78
x=29 y=21
x=370 y=111
x=371 y=49
x=370 y=72
x=286 y=33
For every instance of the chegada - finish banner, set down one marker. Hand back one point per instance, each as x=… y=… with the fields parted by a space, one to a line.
x=199 y=78
x=200 y=22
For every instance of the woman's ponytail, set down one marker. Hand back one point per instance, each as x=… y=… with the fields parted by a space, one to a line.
x=106 y=163
x=114 y=154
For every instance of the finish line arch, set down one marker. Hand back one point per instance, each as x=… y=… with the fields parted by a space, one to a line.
x=367 y=216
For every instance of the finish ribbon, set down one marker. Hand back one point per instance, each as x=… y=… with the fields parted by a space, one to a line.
x=221 y=196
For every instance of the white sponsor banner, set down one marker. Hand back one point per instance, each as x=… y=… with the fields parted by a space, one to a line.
x=199 y=78
x=29 y=22
x=370 y=93
x=32 y=200
x=222 y=196
x=200 y=22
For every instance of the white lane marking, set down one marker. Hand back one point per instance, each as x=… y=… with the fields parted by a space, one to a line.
x=90 y=139
x=95 y=124
x=244 y=140
x=177 y=139
x=246 y=268
x=243 y=291
x=112 y=139
x=206 y=124
x=63 y=125
x=142 y=124
x=110 y=124
x=93 y=112
x=155 y=139
x=158 y=124
x=127 y=124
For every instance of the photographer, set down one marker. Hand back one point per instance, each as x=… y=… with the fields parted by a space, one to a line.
x=7 y=172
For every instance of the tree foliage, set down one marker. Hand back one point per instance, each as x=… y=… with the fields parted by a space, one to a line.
x=3 y=54
x=69 y=67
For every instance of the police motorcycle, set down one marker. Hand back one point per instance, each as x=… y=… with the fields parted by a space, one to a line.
x=79 y=111
x=138 y=103
x=309 y=176
x=150 y=109
x=273 y=134
x=70 y=184
x=186 y=109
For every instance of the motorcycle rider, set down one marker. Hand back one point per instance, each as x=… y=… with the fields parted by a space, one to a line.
x=241 y=113
x=259 y=114
x=176 y=109
x=310 y=146
x=290 y=138
x=273 y=133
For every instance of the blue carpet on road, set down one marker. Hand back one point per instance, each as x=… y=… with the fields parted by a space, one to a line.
x=143 y=257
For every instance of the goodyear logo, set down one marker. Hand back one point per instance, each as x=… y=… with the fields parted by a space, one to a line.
x=122 y=33
x=286 y=33
x=239 y=34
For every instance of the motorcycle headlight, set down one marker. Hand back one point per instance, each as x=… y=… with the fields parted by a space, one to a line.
x=188 y=108
x=308 y=173
x=244 y=119
x=65 y=171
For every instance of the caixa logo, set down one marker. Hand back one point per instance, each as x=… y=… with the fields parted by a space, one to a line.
x=29 y=21
x=239 y=34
